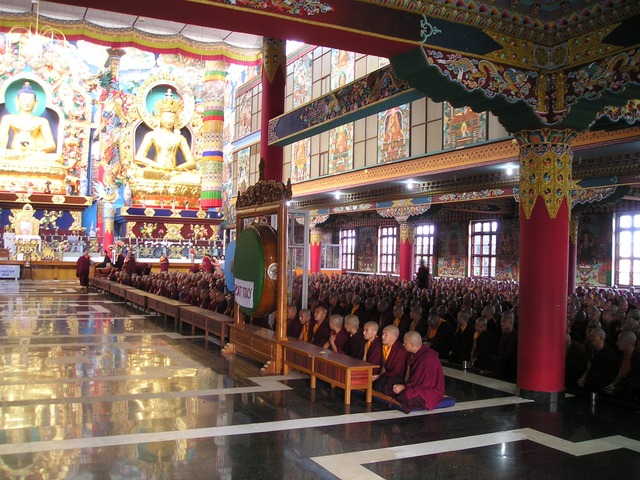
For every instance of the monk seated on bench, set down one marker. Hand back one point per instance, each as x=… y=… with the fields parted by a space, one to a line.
x=424 y=387
x=105 y=272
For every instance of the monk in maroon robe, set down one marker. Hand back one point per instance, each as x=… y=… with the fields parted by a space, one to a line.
x=424 y=387
x=394 y=361
x=83 y=266
x=206 y=264
x=373 y=346
x=338 y=336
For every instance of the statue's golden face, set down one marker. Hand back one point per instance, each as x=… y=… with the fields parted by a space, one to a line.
x=167 y=120
x=26 y=102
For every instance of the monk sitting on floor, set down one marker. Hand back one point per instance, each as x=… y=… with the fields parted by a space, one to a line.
x=394 y=361
x=424 y=387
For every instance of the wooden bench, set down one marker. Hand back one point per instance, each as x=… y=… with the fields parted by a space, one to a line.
x=211 y=322
x=257 y=343
x=137 y=297
x=335 y=368
x=100 y=284
x=119 y=290
x=165 y=307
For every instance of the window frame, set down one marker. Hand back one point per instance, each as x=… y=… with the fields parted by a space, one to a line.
x=486 y=257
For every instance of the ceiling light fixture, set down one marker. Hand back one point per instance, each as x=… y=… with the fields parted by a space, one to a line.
x=410 y=185
x=337 y=195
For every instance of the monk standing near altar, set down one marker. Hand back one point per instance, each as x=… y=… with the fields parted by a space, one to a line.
x=83 y=266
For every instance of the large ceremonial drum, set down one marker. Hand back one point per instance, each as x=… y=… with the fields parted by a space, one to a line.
x=256 y=270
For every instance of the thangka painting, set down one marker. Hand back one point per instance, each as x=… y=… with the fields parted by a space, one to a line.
x=243 y=169
x=300 y=160
x=594 y=250
x=341 y=149
x=463 y=127
x=302 y=80
x=393 y=134
x=342 y=68
x=244 y=115
x=367 y=257
x=452 y=250
x=508 y=251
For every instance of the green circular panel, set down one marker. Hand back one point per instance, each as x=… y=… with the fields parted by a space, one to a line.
x=249 y=265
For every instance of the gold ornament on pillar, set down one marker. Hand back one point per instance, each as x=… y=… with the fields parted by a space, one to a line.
x=273 y=57
x=407 y=233
x=316 y=236
x=573 y=230
x=545 y=168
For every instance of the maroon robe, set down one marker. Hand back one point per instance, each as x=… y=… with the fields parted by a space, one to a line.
x=321 y=335
x=425 y=387
x=340 y=339
x=374 y=354
x=354 y=347
x=206 y=264
x=294 y=328
x=164 y=264
x=393 y=369
x=83 y=266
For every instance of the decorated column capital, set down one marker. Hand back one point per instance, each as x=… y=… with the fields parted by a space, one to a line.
x=316 y=236
x=274 y=57
x=545 y=168
x=573 y=230
x=407 y=233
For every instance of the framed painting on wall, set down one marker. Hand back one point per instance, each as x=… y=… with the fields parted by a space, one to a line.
x=462 y=127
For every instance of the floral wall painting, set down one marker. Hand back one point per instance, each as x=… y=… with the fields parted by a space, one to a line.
x=463 y=127
x=341 y=149
x=393 y=134
x=343 y=68
x=300 y=160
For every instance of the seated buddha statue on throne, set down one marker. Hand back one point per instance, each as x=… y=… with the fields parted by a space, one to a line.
x=30 y=155
x=25 y=136
x=165 y=141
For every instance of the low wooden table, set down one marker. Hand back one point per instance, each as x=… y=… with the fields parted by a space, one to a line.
x=166 y=307
x=257 y=343
x=137 y=297
x=100 y=283
x=211 y=322
x=335 y=368
x=119 y=290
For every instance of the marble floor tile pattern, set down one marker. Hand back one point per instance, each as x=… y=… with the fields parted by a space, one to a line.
x=91 y=389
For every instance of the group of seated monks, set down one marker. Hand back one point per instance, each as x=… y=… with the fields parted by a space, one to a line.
x=465 y=321
x=603 y=352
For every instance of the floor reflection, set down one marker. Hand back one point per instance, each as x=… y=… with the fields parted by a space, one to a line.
x=91 y=390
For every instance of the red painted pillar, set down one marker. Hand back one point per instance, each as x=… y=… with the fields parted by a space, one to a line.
x=573 y=254
x=315 y=250
x=406 y=251
x=545 y=188
x=274 y=66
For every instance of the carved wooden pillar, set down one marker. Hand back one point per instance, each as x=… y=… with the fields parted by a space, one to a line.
x=545 y=204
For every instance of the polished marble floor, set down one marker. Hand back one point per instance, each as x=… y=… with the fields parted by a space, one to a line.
x=90 y=389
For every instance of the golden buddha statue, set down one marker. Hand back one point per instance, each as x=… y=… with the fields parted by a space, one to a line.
x=32 y=138
x=166 y=141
